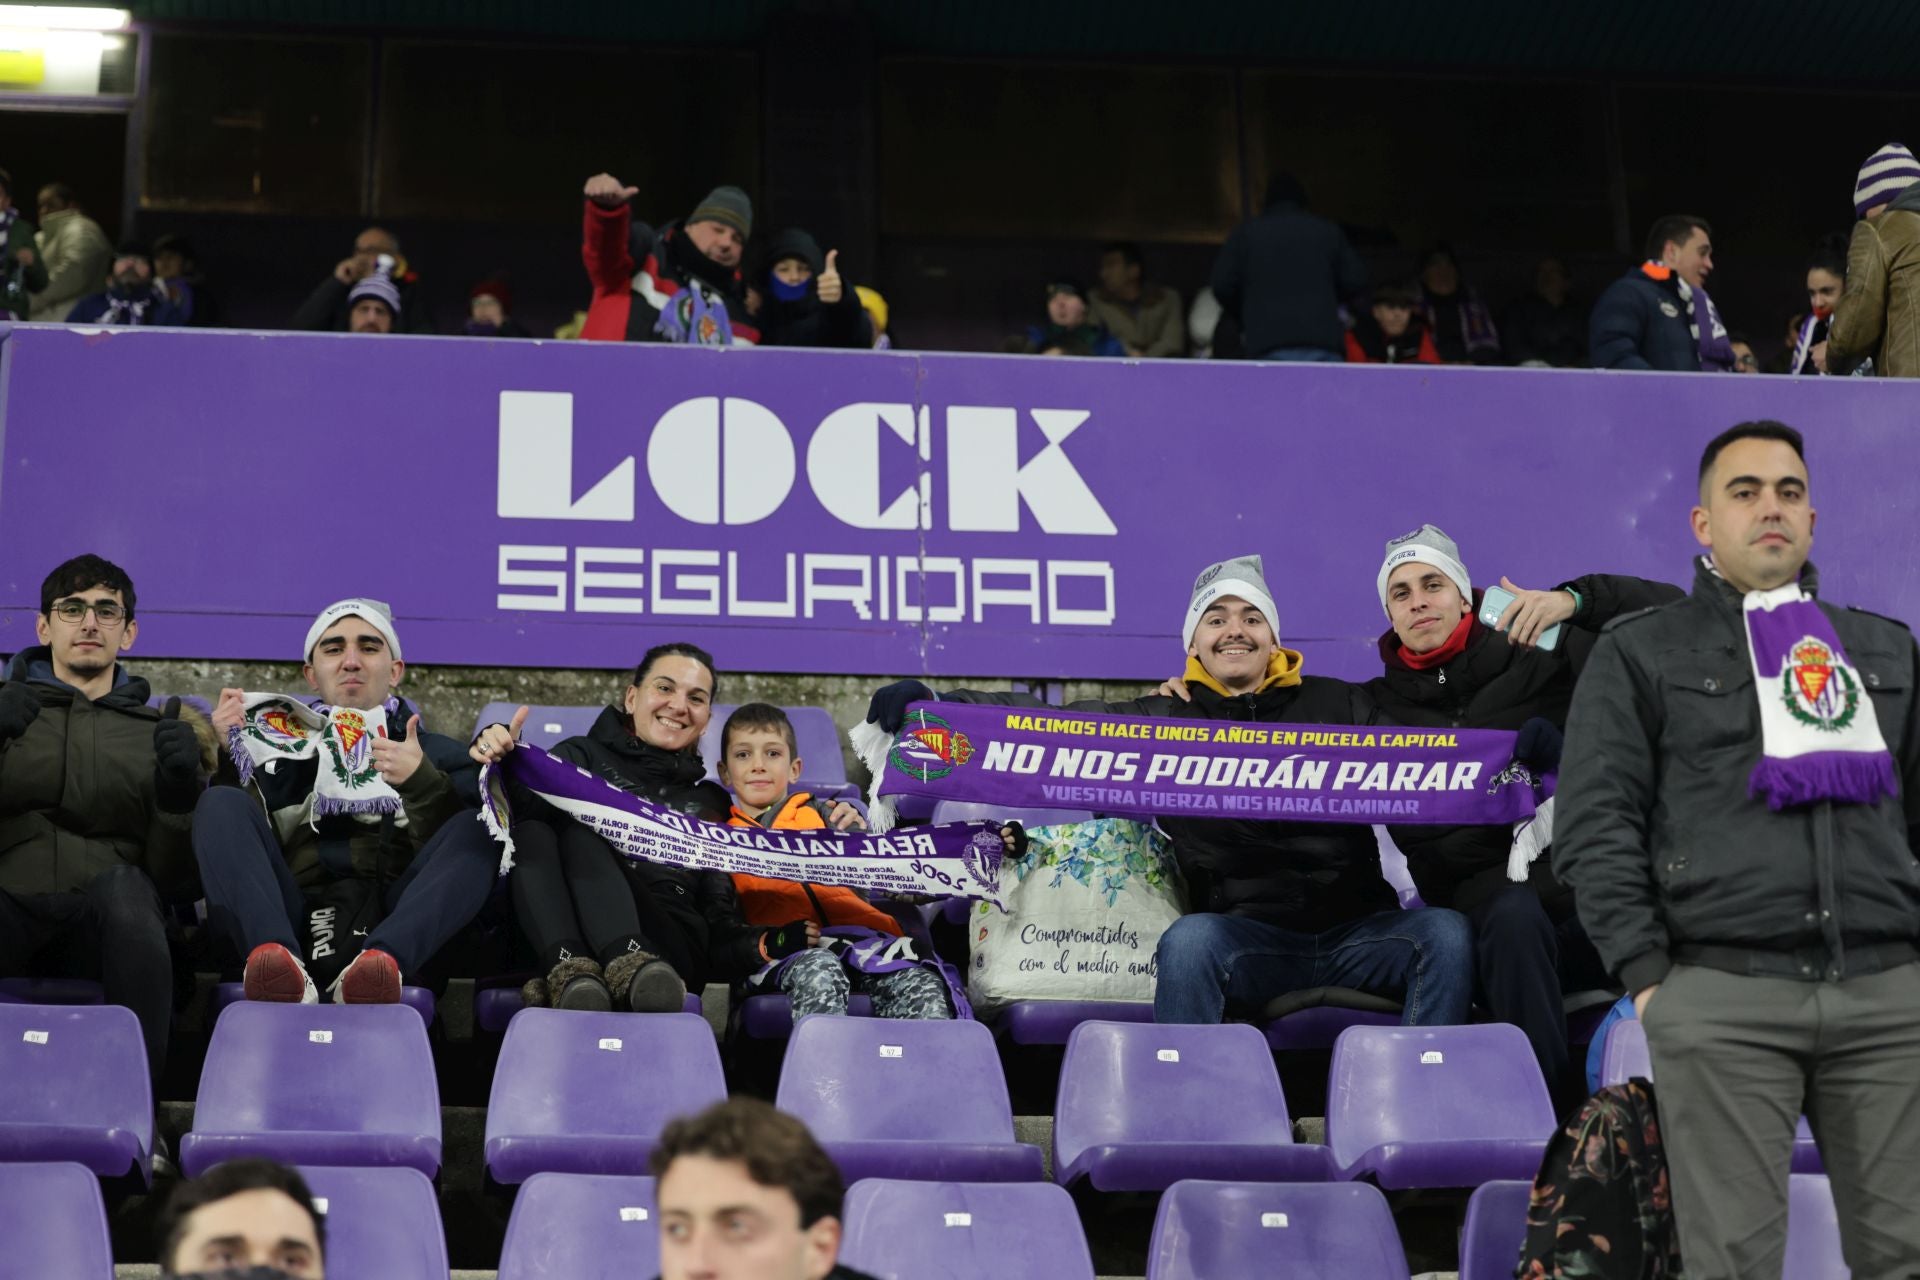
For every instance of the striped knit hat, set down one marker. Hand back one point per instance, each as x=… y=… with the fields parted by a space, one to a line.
x=1887 y=172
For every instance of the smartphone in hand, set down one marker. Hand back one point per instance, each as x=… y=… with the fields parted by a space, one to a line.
x=1494 y=603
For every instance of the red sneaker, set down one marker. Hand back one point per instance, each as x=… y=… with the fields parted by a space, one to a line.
x=372 y=978
x=275 y=974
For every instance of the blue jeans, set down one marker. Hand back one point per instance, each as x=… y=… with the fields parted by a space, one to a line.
x=1209 y=963
x=1305 y=354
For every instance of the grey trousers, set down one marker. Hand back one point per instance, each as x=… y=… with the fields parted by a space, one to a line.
x=1736 y=1060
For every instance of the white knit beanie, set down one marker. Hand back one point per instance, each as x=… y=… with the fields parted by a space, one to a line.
x=1240 y=576
x=375 y=613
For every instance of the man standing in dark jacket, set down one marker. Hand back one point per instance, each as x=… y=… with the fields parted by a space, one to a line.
x=1658 y=316
x=1283 y=275
x=95 y=789
x=376 y=251
x=1734 y=817
x=1446 y=669
x=1273 y=906
x=379 y=893
x=679 y=283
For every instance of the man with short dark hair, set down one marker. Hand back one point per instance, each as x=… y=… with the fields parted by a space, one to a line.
x=303 y=874
x=75 y=250
x=1148 y=319
x=21 y=270
x=95 y=792
x=1658 y=316
x=744 y=1192
x=329 y=308
x=132 y=296
x=1733 y=817
x=678 y=283
x=249 y=1216
x=1282 y=277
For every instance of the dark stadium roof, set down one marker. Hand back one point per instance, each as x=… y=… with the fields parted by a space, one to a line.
x=1865 y=42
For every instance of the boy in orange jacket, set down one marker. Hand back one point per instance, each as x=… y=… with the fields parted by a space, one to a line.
x=822 y=941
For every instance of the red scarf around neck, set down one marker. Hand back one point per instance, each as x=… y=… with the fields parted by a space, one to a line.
x=1456 y=645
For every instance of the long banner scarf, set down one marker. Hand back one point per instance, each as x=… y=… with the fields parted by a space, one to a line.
x=1143 y=766
x=1819 y=735
x=280 y=728
x=957 y=859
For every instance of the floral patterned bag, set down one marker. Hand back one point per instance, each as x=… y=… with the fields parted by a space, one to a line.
x=1601 y=1207
x=1085 y=910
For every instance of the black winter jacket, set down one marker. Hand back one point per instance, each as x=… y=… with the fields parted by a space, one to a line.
x=1642 y=323
x=1307 y=876
x=1283 y=276
x=807 y=321
x=702 y=903
x=1674 y=861
x=1495 y=685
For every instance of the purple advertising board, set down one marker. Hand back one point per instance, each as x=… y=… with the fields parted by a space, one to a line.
x=565 y=504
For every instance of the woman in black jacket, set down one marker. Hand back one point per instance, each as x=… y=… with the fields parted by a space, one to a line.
x=610 y=930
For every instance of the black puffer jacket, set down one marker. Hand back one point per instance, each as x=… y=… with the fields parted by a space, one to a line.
x=702 y=903
x=807 y=321
x=1495 y=685
x=1309 y=876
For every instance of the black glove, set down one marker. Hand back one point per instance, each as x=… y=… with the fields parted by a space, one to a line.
x=889 y=706
x=788 y=939
x=1538 y=745
x=176 y=761
x=19 y=704
x=1019 y=838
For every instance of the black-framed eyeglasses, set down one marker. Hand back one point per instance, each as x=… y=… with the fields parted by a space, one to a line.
x=106 y=612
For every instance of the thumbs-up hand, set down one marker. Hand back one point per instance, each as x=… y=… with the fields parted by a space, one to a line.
x=831 y=288
x=605 y=189
x=496 y=740
x=176 y=761
x=396 y=758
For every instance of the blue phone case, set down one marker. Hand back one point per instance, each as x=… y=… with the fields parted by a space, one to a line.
x=1494 y=603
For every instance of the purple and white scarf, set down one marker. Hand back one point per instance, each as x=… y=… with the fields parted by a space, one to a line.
x=131 y=309
x=954 y=859
x=1813 y=330
x=278 y=728
x=1820 y=737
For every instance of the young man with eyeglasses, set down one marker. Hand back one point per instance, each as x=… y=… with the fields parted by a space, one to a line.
x=96 y=795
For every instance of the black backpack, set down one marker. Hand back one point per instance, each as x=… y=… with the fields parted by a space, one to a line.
x=1602 y=1206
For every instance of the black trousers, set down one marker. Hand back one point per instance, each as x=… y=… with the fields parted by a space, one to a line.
x=252 y=898
x=1525 y=962
x=114 y=931
x=572 y=892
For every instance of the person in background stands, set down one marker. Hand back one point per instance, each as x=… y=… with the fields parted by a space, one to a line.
x=680 y=283
x=1878 y=316
x=1459 y=321
x=1282 y=277
x=804 y=301
x=22 y=272
x=75 y=250
x=1658 y=316
x=1147 y=318
x=376 y=251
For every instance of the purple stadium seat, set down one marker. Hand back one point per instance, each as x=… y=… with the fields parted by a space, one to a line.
x=51 y=991
x=1305 y=1231
x=380 y=1222
x=1314 y=1017
x=905 y=1099
x=1625 y=1055
x=770 y=1017
x=54 y=1223
x=582 y=1226
x=929 y=1230
x=1140 y=1108
x=418 y=999
x=970 y=811
x=494 y=1007
x=1813 y=1230
x=1495 y=1230
x=1052 y=1021
x=545 y=725
x=1436 y=1106
x=582 y=1092
x=319 y=1084
x=75 y=1088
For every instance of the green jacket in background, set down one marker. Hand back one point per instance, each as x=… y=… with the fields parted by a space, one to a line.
x=78 y=258
x=1154 y=326
x=77 y=794
x=18 y=279
x=1879 y=314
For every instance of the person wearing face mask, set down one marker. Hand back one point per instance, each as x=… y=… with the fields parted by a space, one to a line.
x=805 y=303
x=680 y=282
x=132 y=295
x=1273 y=906
x=243 y=1220
x=614 y=932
